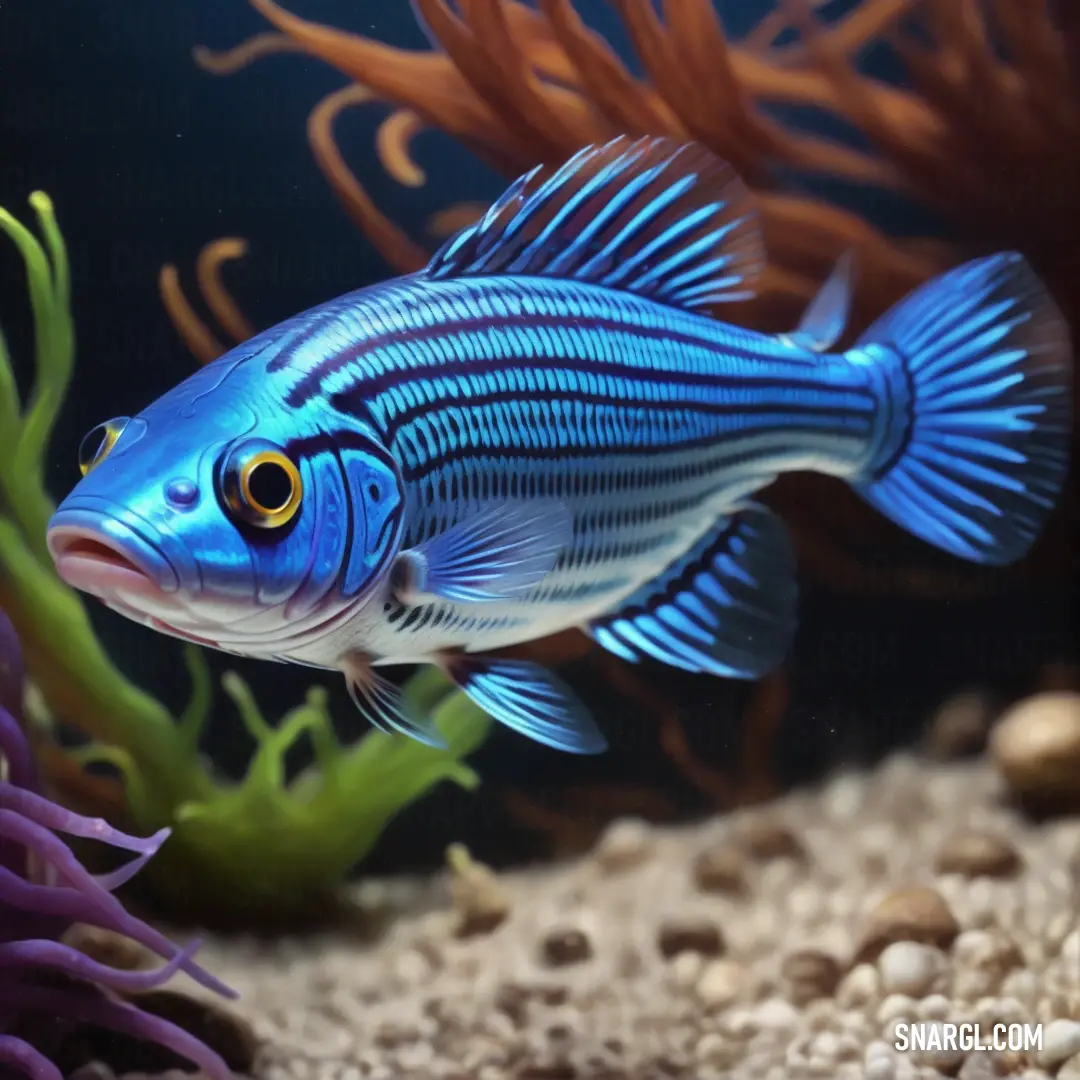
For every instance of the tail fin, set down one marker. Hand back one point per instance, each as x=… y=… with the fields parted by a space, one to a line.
x=984 y=451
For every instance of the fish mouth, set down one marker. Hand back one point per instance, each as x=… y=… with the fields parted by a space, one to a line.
x=107 y=558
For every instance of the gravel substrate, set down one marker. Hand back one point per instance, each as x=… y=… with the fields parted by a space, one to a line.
x=775 y=943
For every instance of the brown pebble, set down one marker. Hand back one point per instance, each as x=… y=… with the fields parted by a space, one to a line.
x=226 y=1033
x=1058 y=675
x=720 y=869
x=1036 y=747
x=810 y=974
x=109 y=948
x=512 y=1002
x=481 y=903
x=563 y=947
x=960 y=725
x=765 y=839
x=917 y=914
x=690 y=935
x=555 y=1070
x=978 y=854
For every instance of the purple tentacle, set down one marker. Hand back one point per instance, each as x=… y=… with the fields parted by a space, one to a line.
x=117 y=1016
x=47 y=813
x=12 y=671
x=56 y=852
x=26 y=1059
x=44 y=889
x=60 y=957
x=15 y=750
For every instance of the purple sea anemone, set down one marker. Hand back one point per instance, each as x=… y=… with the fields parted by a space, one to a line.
x=44 y=890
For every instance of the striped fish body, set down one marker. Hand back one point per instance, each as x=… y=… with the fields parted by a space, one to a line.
x=650 y=424
x=546 y=428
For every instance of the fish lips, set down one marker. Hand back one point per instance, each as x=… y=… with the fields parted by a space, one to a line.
x=109 y=553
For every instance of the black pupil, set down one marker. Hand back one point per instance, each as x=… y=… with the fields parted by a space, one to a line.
x=373 y=491
x=270 y=485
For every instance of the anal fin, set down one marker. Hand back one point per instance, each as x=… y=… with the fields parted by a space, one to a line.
x=726 y=608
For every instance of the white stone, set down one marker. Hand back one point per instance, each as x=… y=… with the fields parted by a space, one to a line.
x=1070 y=952
x=1070 y=1070
x=1061 y=1040
x=910 y=968
x=685 y=969
x=625 y=843
x=776 y=1013
x=721 y=983
x=860 y=986
x=895 y=1007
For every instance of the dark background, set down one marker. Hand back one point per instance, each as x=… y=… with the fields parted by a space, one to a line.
x=148 y=158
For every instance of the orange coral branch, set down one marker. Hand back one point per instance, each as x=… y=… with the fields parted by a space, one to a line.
x=221 y=304
x=194 y=333
x=451 y=219
x=392 y=141
x=392 y=243
x=229 y=61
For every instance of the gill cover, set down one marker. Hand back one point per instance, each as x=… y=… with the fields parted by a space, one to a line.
x=375 y=494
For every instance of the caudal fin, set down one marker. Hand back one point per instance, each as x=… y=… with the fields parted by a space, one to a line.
x=983 y=437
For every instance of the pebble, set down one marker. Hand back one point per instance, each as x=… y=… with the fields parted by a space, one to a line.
x=765 y=839
x=915 y=914
x=1070 y=952
x=481 y=902
x=776 y=1013
x=722 y=983
x=942 y=1058
x=908 y=967
x=810 y=974
x=1061 y=1041
x=721 y=869
x=992 y=952
x=895 y=1007
x=1070 y=1070
x=624 y=844
x=1036 y=747
x=109 y=948
x=978 y=854
x=960 y=725
x=563 y=947
x=860 y=986
x=696 y=935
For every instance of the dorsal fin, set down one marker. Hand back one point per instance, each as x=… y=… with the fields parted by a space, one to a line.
x=653 y=216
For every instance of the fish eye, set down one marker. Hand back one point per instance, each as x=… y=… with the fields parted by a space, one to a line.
x=261 y=485
x=98 y=442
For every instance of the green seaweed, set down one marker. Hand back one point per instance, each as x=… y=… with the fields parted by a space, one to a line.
x=263 y=849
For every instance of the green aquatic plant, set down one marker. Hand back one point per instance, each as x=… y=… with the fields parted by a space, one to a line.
x=265 y=848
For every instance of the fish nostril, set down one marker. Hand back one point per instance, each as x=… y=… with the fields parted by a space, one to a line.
x=182 y=493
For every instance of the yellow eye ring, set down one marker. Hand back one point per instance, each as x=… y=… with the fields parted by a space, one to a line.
x=263 y=487
x=98 y=442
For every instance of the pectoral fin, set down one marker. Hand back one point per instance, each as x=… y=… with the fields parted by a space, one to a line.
x=493 y=554
x=531 y=700
x=384 y=706
x=727 y=607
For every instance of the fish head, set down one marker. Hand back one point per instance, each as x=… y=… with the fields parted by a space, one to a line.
x=221 y=516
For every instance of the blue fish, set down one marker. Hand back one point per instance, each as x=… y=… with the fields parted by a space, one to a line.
x=545 y=428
